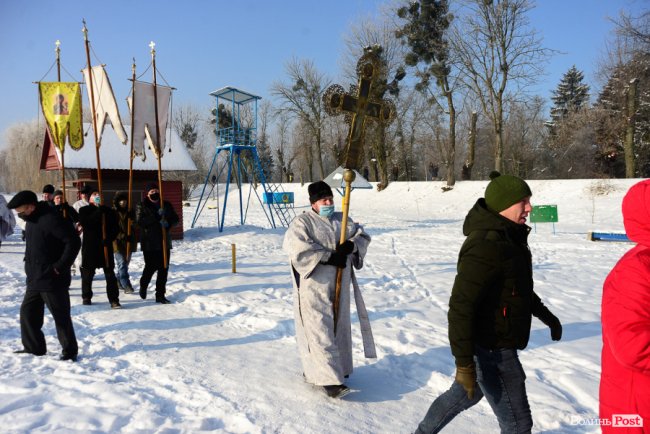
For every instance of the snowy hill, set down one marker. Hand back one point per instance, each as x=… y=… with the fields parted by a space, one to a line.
x=223 y=358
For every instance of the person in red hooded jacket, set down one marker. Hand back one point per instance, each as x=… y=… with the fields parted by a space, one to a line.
x=625 y=373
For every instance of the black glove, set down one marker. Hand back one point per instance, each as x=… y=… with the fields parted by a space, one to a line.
x=553 y=323
x=556 y=329
x=337 y=260
x=164 y=223
x=466 y=377
x=346 y=248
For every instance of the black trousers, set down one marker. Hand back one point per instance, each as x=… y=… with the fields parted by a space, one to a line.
x=87 y=275
x=32 y=312
x=153 y=262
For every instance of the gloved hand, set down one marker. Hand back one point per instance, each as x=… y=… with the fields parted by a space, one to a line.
x=346 y=248
x=338 y=260
x=466 y=376
x=164 y=223
x=556 y=328
x=161 y=211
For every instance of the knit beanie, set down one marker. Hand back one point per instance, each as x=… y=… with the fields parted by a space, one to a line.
x=503 y=191
x=319 y=190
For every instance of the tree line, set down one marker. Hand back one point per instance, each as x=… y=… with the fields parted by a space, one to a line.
x=459 y=74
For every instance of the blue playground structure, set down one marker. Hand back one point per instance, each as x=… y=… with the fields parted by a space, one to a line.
x=236 y=130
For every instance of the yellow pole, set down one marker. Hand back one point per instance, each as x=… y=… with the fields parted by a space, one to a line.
x=348 y=177
x=233 y=248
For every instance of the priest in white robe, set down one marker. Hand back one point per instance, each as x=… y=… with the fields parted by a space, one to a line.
x=312 y=242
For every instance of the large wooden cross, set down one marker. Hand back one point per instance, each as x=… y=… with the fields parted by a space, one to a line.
x=360 y=106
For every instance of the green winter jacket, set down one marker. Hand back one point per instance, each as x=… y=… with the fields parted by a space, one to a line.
x=492 y=299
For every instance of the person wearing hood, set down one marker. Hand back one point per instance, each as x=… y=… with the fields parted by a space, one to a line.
x=490 y=311
x=7 y=220
x=51 y=246
x=100 y=228
x=625 y=316
x=123 y=240
x=152 y=216
x=315 y=256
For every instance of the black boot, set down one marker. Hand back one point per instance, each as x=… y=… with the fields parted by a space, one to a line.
x=162 y=300
x=337 y=391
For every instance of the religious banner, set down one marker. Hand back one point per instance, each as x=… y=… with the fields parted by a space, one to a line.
x=61 y=105
x=105 y=105
x=144 y=116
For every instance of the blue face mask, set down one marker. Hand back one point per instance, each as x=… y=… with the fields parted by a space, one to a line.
x=326 y=210
x=97 y=200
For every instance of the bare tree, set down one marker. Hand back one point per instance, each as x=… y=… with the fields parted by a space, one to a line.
x=22 y=159
x=497 y=48
x=302 y=97
x=425 y=32
x=281 y=139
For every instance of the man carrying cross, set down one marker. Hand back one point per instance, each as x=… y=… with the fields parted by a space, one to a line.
x=315 y=254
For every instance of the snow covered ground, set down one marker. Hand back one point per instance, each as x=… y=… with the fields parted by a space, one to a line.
x=222 y=357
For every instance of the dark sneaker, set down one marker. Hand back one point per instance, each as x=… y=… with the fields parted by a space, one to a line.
x=337 y=391
x=86 y=302
x=65 y=357
x=116 y=305
x=128 y=289
x=162 y=300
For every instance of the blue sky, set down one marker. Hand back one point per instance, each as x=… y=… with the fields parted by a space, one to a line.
x=204 y=45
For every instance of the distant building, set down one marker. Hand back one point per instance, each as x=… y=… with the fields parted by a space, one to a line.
x=115 y=168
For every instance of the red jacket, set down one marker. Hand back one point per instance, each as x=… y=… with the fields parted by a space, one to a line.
x=625 y=374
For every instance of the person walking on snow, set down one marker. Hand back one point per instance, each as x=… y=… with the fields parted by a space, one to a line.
x=490 y=311
x=120 y=202
x=51 y=246
x=152 y=217
x=99 y=224
x=625 y=316
x=315 y=255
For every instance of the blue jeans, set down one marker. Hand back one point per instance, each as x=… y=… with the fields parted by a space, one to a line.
x=122 y=268
x=501 y=380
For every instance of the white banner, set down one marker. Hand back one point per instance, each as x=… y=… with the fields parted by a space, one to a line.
x=105 y=104
x=144 y=119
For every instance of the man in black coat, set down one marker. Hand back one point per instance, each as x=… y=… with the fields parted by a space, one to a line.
x=51 y=246
x=490 y=311
x=154 y=219
x=100 y=229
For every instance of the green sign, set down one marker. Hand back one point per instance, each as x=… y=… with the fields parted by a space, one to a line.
x=544 y=214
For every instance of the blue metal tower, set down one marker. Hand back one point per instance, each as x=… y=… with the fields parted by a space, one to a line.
x=237 y=137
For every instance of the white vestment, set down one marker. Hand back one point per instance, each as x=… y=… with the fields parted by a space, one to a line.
x=326 y=357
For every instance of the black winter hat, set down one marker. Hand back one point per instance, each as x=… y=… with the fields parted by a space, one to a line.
x=504 y=191
x=87 y=190
x=22 y=198
x=150 y=186
x=48 y=188
x=319 y=190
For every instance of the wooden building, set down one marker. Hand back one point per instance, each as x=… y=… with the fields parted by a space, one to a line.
x=114 y=158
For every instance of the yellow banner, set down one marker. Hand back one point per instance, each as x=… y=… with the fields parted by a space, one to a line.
x=61 y=104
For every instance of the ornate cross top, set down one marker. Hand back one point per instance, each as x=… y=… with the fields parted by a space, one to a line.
x=360 y=107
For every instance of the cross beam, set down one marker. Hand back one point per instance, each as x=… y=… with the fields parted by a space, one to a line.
x=359 y=107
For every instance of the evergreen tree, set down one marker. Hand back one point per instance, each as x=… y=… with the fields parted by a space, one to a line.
x=570 y=96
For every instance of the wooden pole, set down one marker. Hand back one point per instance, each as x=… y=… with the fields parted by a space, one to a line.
x=97 y=139
x=129 y=204
x=348 y=177
x=57 y=50
x=233 y=249
x=159 y=150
